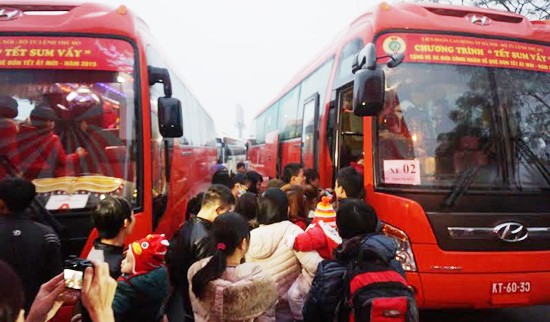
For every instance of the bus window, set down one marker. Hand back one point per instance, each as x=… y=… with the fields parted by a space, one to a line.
x=77 y=128
x=288 y=115
x=351 y=129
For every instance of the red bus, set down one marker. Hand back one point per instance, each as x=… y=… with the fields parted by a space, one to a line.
x=455 y=141
x=97 y=68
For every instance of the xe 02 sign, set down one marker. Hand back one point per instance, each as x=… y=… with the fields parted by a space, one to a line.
x=66 y=53
x=448 y=49
x=402 y=172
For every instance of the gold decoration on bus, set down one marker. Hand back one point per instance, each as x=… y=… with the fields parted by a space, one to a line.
x=98 y=184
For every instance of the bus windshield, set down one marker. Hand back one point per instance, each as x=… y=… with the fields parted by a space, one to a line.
x=444 y=125
x=67 y=113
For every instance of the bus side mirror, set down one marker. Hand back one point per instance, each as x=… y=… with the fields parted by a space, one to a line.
x=170 y=119
x=368 y=92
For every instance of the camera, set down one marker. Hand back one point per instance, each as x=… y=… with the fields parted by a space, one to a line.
x=73 y=271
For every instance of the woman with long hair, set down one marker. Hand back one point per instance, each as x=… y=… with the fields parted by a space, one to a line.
x=223 y=288
x=269 y=249
x=297 y=205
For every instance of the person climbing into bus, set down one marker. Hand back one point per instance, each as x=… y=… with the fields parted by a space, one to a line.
x=42 y=151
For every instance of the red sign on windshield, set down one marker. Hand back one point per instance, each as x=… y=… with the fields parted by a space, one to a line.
x=458 y=50
x=66 y=53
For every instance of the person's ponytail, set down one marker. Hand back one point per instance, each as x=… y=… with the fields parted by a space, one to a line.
x=211 y=271
x=228 y=231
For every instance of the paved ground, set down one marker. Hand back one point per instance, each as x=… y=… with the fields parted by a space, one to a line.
x=531 y=314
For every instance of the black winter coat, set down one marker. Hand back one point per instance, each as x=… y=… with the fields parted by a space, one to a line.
x=31 y=249
x=190 y=243
x=327 y=286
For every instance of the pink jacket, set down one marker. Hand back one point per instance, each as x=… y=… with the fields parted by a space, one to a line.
x=242 y=293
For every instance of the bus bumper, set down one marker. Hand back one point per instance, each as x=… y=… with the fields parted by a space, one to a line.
x=455 y=290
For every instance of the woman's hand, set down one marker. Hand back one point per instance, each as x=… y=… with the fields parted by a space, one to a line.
x=98 y=292
x=49 y=299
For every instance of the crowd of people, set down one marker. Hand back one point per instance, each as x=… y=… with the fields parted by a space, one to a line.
x=248 y=251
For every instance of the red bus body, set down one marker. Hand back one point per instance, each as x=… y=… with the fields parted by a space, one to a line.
x=452 y=266
x=164 y=172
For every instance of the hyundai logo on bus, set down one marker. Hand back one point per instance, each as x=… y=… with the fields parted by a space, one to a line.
x=9 y=14
x=478 y=19
x=511 y=232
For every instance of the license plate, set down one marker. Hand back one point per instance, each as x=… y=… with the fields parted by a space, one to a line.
x=511 y=287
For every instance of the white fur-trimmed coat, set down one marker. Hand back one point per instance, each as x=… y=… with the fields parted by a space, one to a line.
x=269 y=249
x=243 y=293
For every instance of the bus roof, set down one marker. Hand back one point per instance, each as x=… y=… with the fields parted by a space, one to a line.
x=423 y=17
x=70 y=17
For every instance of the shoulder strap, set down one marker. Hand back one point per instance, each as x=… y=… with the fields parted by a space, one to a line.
x=344 y=307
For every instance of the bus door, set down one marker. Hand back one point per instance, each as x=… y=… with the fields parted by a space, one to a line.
x=349 y=136
x=271 y=154
x=310 y=132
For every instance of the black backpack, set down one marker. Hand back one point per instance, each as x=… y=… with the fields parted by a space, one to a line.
x=375 y=292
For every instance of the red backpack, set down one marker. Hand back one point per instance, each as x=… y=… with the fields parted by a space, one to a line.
x=375 y=292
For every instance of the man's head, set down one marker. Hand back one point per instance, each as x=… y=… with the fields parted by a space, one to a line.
x=241 y=167
x=16 y=195
x=43 y=117
x=293 y=173
x=312 y=178
x=349 y=184
x=217 y=200
x=113 y=216
x=8 y=107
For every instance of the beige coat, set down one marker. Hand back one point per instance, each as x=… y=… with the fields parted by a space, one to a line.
x=269 y=249
x=242 y=293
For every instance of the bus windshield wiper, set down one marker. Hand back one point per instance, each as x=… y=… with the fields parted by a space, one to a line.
x=532 y=160
x=461 y=185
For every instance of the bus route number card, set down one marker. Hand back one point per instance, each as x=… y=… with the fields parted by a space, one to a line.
x=405 y=172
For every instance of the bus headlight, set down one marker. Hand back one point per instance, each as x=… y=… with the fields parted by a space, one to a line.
x=405 y=255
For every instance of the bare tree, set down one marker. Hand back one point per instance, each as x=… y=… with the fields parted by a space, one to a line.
x=533 y=9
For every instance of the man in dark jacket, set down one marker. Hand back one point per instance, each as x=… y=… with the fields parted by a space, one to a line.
x=357 y=225
x=191 y=243
x=30 y=248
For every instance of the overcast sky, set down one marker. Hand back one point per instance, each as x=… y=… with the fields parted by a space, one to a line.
x=242 y=52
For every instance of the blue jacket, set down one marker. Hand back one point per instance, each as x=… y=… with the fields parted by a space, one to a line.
x=326 y=290
x=141 y=297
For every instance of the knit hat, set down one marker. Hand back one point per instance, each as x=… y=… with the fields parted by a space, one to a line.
x=149 y=253
x=325 y=212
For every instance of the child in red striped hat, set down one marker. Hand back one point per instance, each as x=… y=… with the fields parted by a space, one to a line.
x=321 y=235
x=144 y=285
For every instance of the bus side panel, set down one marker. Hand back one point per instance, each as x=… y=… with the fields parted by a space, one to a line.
x=256 y=158
x=291 y=151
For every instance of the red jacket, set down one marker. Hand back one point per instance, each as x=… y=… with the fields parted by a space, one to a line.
x=318 y=236
x=8 y=145
x=42 y=154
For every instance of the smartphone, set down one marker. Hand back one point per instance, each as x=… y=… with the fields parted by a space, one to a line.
x=73 y=273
